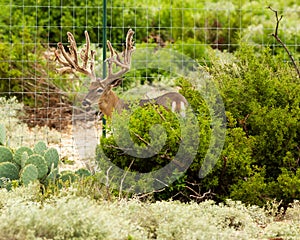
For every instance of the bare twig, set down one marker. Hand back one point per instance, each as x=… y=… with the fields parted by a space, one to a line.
x=203 y=196
x=142 y=139
x=275 y=35
x=123 y=178
x=107 y=183
x=143 y=196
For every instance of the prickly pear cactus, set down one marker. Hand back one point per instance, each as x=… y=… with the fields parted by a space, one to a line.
x=2 y=135
x=5 y=154
x=28 y=174
x=52 y=158
x=68 y=176
x=40 y=148
x=24 y=158
x=19 y=153
x=83 y=172
x=8 y=170
x=40 y=163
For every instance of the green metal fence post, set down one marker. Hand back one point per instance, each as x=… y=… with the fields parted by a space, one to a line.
x=104 y=39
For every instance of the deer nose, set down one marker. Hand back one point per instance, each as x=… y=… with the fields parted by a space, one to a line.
x=86 y=103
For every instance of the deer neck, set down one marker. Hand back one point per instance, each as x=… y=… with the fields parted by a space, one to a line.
x=109 y=102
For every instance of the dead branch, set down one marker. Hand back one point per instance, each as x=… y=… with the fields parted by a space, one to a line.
x=275 y=35
x=142 y=139
x=203 y=196
x=123 y=178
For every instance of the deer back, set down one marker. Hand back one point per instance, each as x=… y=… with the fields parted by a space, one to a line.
x=172 y=101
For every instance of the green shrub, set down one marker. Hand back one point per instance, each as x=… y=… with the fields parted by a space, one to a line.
x=259 y=160
x=261 y=92
x=146 y=140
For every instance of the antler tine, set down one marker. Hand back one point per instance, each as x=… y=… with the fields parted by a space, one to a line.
x=85 y=52
x=92 y=65
x=115 y=58
x=59 y=59
x=70 y=61
x=73 y=47
x=129 y=46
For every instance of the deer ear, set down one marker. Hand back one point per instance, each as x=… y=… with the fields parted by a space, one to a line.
x=117 y=82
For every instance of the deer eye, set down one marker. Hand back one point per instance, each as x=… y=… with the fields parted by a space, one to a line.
x=99 y=90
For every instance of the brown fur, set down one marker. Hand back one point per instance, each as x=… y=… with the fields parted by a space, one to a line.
x=109 y=101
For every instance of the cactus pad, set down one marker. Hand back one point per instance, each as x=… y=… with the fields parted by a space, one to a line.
x=24 y=158
x=19 y=153
x=5 y=154
x=83 y=172
x=40 y=148
x=40 y=163
x=8 y=170
x=52 y=158
x=29 y=173
x=68 y=176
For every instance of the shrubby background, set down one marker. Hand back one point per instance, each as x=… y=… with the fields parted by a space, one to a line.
x=28 y=28
x=230 y=40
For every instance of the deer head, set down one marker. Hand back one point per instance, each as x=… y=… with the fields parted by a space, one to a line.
x=100 y=89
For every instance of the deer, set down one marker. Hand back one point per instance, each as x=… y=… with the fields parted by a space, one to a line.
x=101 y=90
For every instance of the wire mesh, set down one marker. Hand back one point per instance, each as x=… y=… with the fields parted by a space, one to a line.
x=30 y=30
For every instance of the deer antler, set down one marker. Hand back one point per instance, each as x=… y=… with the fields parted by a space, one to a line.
x=71 y=64
x=70 y=60
x=116 y=59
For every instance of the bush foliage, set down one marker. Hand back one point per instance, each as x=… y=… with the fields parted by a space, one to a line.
x=259 y=161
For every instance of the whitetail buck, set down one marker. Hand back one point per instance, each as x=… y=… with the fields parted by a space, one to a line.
x=101 y=90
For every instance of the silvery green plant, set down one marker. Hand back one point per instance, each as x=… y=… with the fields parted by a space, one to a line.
x=15 y=132
x=2 y=134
